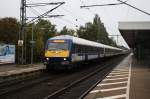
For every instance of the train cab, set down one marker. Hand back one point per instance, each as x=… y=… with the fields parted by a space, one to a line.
x=57 y=52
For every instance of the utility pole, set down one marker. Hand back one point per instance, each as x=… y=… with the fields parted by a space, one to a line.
x=22 y=34
x=22 y=43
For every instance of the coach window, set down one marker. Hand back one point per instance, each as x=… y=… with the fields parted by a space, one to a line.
x=90 y=49
x=78 y=49
x=87 y=49
x=75 y=48
x=83 y=49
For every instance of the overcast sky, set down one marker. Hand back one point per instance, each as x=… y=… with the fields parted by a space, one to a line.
x=74 y=15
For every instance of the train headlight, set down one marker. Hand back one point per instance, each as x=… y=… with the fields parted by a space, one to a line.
x=47 y=59
x=65 y=59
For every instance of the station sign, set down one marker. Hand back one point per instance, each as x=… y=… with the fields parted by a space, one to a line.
x=32 y=42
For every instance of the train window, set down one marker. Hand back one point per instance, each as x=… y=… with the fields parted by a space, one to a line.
x=101 y=50
x=90 y=49
x=81 y=49
x=86 y=49
x=77 y=48
x=73 y=48
x=57 y=46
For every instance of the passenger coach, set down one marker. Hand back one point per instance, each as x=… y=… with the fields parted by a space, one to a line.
x=64 y=51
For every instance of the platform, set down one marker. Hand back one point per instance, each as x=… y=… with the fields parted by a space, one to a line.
x=10 y=70
x=129 y=80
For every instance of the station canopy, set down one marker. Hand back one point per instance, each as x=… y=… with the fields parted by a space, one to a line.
x=135 y=32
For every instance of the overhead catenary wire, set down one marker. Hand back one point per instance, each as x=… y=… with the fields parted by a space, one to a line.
x=23 y=19
x=66 y=10
x=74 y=15
x=110 y=4
x=51 y=16
x=41 y=4
x=42 y=9
x=37 y=8
x=34 y=11
x=74 y=20
x=134 y=7
x=113 y=4
x=63 y=19
x=87 y=8
x=47 y=12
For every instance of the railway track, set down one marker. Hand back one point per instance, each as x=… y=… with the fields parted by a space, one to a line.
x=59 y=85
x=20 y=84
x=68 y=91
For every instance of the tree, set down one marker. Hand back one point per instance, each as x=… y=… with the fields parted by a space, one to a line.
x=95 y=32
x=66 y=31
x=9 y=29
x=42 y=30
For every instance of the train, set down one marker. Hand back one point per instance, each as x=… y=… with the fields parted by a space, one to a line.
x=65 y=51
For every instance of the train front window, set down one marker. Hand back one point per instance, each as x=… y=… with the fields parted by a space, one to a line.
x=57 y=46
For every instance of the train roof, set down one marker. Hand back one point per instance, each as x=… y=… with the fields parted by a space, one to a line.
x=81 y=41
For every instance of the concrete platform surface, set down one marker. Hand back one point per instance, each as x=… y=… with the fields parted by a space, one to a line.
x=129 y=80
x=140 y=80
x=7 y=70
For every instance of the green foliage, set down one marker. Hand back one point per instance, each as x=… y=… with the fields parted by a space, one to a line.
x=66 y=31
x=9 y=28
x=44 y=29
x=96 y=32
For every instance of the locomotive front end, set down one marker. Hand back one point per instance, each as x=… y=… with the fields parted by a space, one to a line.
x=57 y=53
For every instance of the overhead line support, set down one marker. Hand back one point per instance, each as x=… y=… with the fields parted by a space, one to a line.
x=42 y=4
x=23 y=18
x=46 y=13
